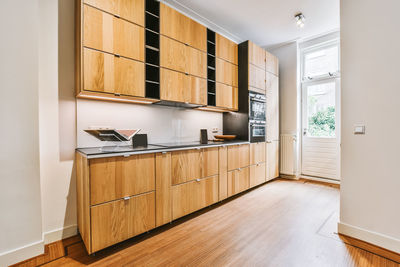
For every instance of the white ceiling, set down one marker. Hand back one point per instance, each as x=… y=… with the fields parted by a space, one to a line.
x=266 y=22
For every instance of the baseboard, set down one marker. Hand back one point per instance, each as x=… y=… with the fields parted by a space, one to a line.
x=326 y=180
x=377 y=239
x=287 y=176
x=19 y=254
x=59 y=234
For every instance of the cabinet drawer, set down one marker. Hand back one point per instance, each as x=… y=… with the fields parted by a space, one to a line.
x=118 y=177
x=185 y=165
x=238 y=181
x=209 y=161
x=105 y=32
x=132 y=10
x=192 y=196
x=238 y=156
x=119 y=220
x=226 y=96
x=106 y=73
x=226 y=73
x=257 y=153
x=257 y=174
x=226 y=49
x=256 y=77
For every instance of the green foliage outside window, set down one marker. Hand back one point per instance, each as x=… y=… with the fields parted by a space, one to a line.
x=322 y=123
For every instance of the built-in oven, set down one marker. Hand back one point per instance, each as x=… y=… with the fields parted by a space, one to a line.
x=258 y=107
x=257 y=131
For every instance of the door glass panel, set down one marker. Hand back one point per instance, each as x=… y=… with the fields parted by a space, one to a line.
x=321 y=62
x=321 y=114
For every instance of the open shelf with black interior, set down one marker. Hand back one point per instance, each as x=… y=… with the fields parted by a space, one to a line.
x=211 y=99
x=152 y=36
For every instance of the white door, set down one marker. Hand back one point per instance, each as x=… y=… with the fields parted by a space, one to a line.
x=320 y=125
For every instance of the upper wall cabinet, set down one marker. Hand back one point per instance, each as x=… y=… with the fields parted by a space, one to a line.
x=131 y=10
x=271 y=63
x=181 y=28
x=226 y=49
x=256 y=55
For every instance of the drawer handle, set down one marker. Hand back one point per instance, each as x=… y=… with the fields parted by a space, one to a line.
x=117 y=16
x=117 y=94
x=239 y=169
x=197 y=180
x=126 y=155
x=127 y=198
x=117 y=55
x=164 y=152
x=258 y=164
x=197 y=148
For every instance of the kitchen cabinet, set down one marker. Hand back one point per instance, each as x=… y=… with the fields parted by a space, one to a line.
x=226 y=96
x=272 y=113
x=238 y=156
x=257 y=174
x=223 y=172
x=196 y=62
x=119 y=177
x=185 y=165
x=108 y=33
x=209 y=161
x=194 y=195
x=197 y=35
x=163 y=189
x=256 y=55
x=106 y=73
x=119 y=220
x=226 y=73
x=197 y=90
x=257 y=153
x=272 y=167
x=131 y=10
x=271 y=63
x=238 y=180
x=226 y=49
x=256 y=78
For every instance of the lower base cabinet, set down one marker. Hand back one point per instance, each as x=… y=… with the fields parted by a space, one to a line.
x=238 y=181
x=194 y=195
x=257 y=174
x=119 y=220
x=272 y=168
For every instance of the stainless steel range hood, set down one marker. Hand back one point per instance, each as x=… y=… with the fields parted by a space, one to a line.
x=177 y=104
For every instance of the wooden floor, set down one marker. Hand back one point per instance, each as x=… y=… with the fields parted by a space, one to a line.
x=282 y=223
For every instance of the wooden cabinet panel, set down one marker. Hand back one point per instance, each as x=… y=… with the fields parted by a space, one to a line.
x=238 y=156
x=226 y=49
x=272 y=63
x=257 y=153
x=256 y=55
x=272 y=95
x=174 y=86
x=244 y=156
x=196 y=62
x=192 y=196
x=226 y=96
x=119 y=220
x=163 y=188
x=209 y=161
x=107 y=73
x=197 y=36
x=226 y=73
x=131 y=10
x=272 y=167
x=173 y=23
x=223 y=172
x=105 y=32
x=238 y=181
x=118 y=177
x=256 y=77
x=257 y=174
x=185 y=165
x=173 y=55
x=197 y=90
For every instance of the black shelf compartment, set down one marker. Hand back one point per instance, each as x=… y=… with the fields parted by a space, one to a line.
x=211 y=97
x=211 y=36
x=152 y=23
x=211 y=101
x=211 y=74
x=152 y=39
x=152 y=73
x=152 y=56
x=152 y=90
x=211 y=48
x=211 y=87
x=153 y=7
x=211 y=61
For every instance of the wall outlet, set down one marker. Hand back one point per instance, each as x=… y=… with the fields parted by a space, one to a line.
x=214 y=130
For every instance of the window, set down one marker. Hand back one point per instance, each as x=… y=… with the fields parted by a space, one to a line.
x=321 y=62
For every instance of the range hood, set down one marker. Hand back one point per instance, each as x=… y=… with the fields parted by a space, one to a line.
x=177 y=104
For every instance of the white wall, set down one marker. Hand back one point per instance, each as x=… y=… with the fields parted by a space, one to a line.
x=370 y=198
x=20 y=203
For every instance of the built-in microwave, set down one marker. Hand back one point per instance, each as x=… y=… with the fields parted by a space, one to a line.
x=257 y=131
x=258 y=107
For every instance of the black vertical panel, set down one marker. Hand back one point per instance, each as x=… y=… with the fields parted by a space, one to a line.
x=211 y=98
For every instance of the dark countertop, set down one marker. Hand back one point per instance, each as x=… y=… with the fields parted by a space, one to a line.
x=115 y=151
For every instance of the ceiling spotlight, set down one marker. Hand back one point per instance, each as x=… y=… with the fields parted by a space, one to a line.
x=300 y=19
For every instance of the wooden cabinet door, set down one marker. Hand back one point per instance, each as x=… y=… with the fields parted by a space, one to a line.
x=244 y=155
x=118 y=177
x=119 y=220
x=173 y=23
x=194 y=195
x=238 y=181
x=226 y=73
x=197 y=35
x=163 y=188
x=196 y=62
x=272 y=167
x=257 y=153
x=209 y=162
x=185 y=165
x=226 y=96
x=257 y=174
x=223 y=172
x=256 y=55
x=272 y=63
x=173 y=55
x=233 y=157
x=197 y=90
x=272 y=95
x=256 y=77
x=174 y=86
x=103 y=72
x=131 y=10
x=226 y=49
x=105 y=32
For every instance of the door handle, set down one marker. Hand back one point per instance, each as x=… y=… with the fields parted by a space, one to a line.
x=304 y=131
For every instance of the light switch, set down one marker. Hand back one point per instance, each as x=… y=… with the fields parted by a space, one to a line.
x=359 y=129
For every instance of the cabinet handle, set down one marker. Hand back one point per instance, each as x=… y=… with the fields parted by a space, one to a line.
x=117 y=55
x=269 y=142
x=127 y=198
x=197 y=180
x=164 y=152
x=117 y=16
x=239 y=169
x=126 y=155
x=117 y=94
x=197 y=148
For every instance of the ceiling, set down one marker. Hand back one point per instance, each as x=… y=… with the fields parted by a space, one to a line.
x=267 y=23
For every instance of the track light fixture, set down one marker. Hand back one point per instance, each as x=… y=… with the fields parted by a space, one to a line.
x=300 y=18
